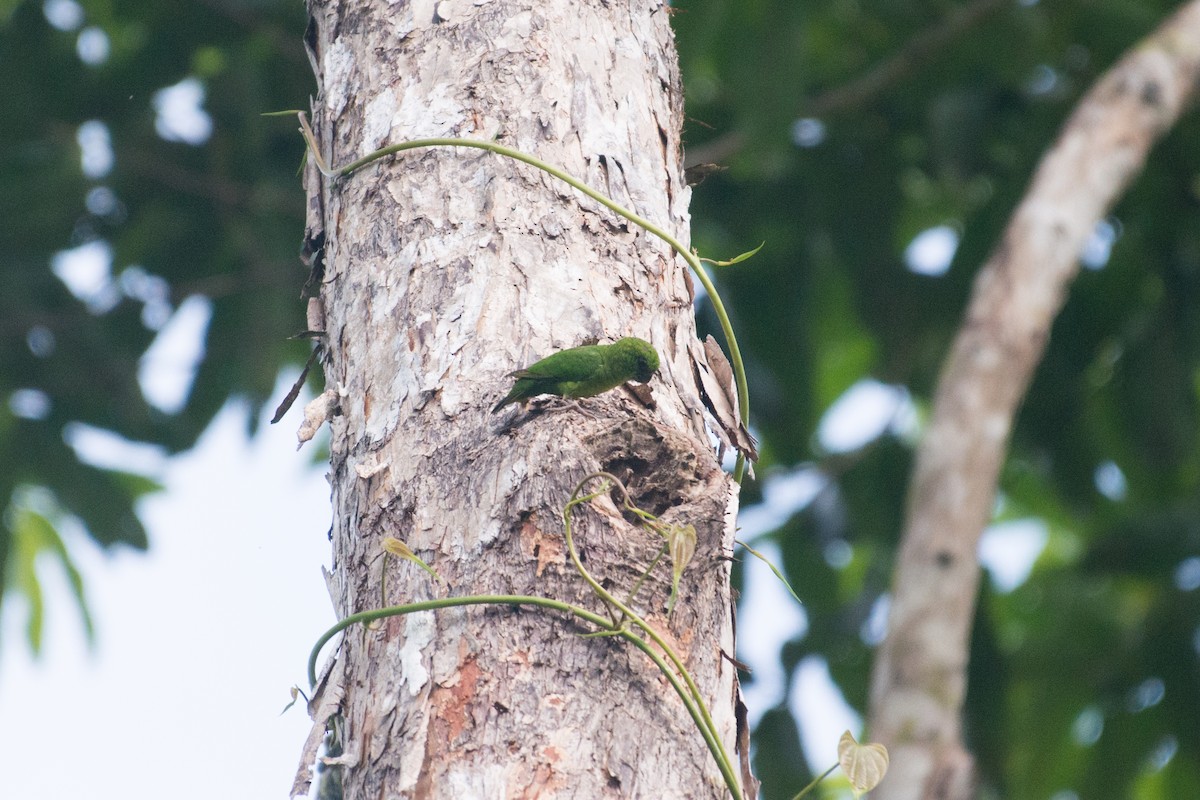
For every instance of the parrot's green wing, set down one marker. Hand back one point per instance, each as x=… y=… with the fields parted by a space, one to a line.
x=584 y=371
x=576 y=364
x=559 y=373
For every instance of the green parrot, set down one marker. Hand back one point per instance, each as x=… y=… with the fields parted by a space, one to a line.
x=584 y=371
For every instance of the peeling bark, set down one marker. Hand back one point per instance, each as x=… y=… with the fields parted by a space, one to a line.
x=444 y=270
x=919 y=678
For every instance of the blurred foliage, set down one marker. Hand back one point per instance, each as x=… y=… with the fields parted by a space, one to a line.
x=848 y=128
x=88 y=166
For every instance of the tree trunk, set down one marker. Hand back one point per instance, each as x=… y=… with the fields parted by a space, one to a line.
x=919 y=679
x=444 y=270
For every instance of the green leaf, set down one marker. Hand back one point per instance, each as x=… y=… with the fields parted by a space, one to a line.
x=735 y=259
x=34 y=536
x=863 y=764
x=773 y=569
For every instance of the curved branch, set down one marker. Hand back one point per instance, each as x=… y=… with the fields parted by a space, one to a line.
x=919 y=678
x=922 y=49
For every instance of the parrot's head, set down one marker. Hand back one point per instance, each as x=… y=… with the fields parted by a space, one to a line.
x=643 y=356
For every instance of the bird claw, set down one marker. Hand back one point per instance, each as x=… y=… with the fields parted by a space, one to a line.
x=559 y=404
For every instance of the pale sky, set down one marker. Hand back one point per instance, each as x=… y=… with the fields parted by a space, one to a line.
x=198 y=641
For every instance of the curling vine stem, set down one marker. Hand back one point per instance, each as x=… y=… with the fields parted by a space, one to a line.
x=693 y=260
x=696 y=710
x=708 y=729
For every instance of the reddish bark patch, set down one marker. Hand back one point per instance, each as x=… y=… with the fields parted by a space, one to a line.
x=536 y=544
x=452 y=703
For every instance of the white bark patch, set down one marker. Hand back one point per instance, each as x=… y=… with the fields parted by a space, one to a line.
x=490 y=532
x=559 y=289
x=338 y=67
x=315 y=413
x=370 y=470
x=457 y=10
x=466 y=779
x=314 y=314
x=411 y=15
x=446 y=662
x=377 y=122
x=412 y=759
x=428 y=110
x=418 y=633
x=515 y=32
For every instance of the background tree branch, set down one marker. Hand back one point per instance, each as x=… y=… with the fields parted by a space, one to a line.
x=917 y=52
x=919 y=679
x=920 y=50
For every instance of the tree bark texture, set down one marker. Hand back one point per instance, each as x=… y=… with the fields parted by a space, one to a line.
x=919 y=678
x=444 y=270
